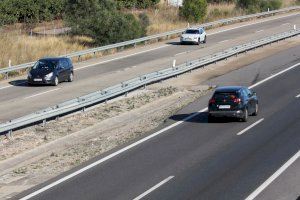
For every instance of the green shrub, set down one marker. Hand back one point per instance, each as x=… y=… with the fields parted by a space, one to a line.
x=194 y=10
x=101 y=20
x=30 y=11
x=137 y=3
x=271 y=4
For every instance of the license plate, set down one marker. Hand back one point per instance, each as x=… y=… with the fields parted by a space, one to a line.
x=224 y=106
x=38 y=79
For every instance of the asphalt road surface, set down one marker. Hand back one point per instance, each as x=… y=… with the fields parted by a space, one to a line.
x=18 y=99
x=194 y=159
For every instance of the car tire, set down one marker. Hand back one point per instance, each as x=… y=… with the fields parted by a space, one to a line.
x=204 y=41
x=245 y=117
x=71 y=77
x=256 y=110
x=55 y=81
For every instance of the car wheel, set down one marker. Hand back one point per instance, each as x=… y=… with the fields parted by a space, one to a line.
x=204 y=41
x=55 y=81
x=256 y=110
x=71 y=77
x=245 y=117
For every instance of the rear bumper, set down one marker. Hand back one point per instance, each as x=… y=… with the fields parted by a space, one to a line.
x=234 y=113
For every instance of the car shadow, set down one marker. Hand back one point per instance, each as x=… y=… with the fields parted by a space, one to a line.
x=174 y=43
x=201 y=118
x=21 y=83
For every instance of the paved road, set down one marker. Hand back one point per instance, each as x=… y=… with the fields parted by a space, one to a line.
x=200 y=160
x=17 y=99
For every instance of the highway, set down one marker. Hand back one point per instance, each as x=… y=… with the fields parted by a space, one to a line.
x=17 y=99
x=189 y=158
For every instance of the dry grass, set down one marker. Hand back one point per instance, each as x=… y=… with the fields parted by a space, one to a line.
x=22 y=48
x=164 y=19
x=222 y=10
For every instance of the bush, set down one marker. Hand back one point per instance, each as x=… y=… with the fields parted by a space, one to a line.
x=137 y=3
x=101 y=20
x=253 y=6
x=194 y=10
x=29 y=11
x=271 y=4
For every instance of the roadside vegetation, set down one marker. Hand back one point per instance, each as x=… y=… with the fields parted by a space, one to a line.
x=100 y=22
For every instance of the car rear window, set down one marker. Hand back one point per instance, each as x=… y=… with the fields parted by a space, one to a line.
x=225 y=95
x=192 y=31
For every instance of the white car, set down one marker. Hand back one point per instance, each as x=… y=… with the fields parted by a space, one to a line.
x=193 y=35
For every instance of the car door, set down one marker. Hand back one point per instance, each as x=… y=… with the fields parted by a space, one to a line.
x=246 y=99
x=251 y=99
x=201 y=31
x=62 y=70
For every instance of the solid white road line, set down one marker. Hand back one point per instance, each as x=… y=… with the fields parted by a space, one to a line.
x=298 y=96
x=57 y=182
x=223 y=41
x=39 y=94
x=119 y=58
x=259 y=31
x=12 y=85
x=254 y=194
x=267 y=20
x=274 y=75
x=285 y=24
x=154 y=188
x=249 y=127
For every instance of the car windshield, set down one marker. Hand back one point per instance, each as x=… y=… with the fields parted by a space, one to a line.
x=45 y=64
x=225 y=96
x=191 y=31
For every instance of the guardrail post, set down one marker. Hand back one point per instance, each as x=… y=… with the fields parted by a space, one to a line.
x=83 y=109
x=9 y=135
x=44 y=123
x=126 y=94
x=6 y=75
x=79 y=58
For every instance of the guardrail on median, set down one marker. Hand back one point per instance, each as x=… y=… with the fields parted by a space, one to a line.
x=127 y=86
x=149 y=38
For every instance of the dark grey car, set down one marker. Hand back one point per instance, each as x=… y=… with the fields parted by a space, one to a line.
x=51 y=71
x=233 y=101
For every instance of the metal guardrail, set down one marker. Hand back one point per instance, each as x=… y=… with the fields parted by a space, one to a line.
x=149 y=38
x=127 y=86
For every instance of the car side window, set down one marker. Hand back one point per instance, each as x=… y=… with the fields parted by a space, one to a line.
x=249 y=93
x=201 y=31
x=244 y=93
x=65 y=64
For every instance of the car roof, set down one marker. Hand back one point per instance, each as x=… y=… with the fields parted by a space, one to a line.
x=53 y=58
x=229 y=88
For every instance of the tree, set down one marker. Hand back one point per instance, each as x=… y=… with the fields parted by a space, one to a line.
x=194 y=10
x=101 y=20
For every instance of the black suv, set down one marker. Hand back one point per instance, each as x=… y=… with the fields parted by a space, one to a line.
x=51 y=71
x=233 y=101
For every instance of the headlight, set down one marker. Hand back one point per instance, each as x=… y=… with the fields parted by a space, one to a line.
x=49 y=76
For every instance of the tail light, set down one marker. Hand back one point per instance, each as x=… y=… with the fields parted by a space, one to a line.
x=237 y=100
x=212 y=101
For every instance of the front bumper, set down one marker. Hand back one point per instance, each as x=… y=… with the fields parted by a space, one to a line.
x=227 y=113
x=186 y=40
x=43 y=81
